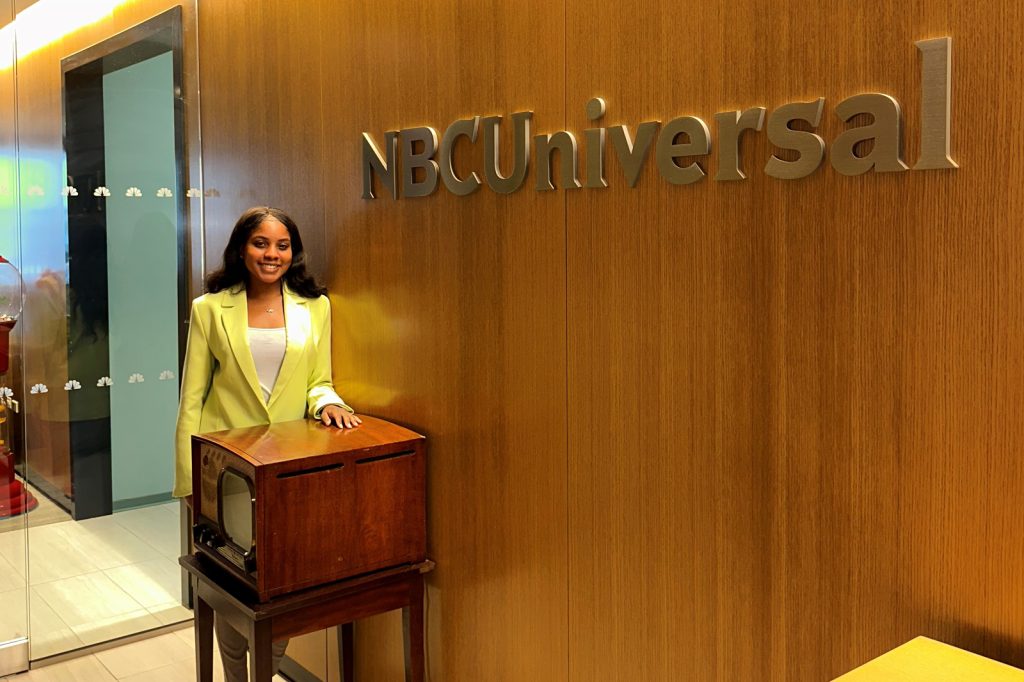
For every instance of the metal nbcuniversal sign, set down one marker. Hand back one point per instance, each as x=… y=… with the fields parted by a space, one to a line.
x=686 y=136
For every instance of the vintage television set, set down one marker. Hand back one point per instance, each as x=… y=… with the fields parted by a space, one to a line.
x=292 y=505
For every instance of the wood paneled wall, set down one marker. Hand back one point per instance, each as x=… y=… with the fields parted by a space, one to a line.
x=261 y=80
x=759 y=430
x=451 y=319
x=403 y=273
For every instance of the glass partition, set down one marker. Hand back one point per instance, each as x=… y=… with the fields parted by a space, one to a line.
x=15 y=501
x=108 y=233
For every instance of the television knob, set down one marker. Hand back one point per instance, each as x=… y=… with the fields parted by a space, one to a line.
x=205 y=536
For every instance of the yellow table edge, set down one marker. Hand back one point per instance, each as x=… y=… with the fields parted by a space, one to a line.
x=927 y=660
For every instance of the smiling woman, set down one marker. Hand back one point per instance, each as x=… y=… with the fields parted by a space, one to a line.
x=267 y=257
x=259 y=352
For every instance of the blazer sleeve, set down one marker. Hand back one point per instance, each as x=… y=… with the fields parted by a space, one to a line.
x=320 y=392
x=196 y=378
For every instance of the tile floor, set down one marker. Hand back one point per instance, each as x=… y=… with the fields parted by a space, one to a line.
x=92 y=581
x=165 y=658
x=47 y=512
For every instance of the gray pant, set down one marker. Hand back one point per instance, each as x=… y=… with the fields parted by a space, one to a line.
x=233 y=647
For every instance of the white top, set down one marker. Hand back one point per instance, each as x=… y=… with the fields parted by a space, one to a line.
x=267 y=346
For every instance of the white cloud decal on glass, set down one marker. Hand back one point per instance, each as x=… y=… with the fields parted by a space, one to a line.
x=104 y=381
x=101 y=192
x=35 y=191
x=69 y=191
x=193 y=192
x=136 y=378
x=6 y=393
x=133 y=192
x=39 y=388
x=72 y=385
x=166 y=374
x=164 y=192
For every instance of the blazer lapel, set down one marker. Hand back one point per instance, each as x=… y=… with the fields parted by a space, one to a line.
x=235 y=318
x=298 y=327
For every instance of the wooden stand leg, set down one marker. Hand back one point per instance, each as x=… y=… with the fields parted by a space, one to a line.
x=346 y=651
x=333 y=603
x=412 y=624
x=260 y=653
x=204 y=638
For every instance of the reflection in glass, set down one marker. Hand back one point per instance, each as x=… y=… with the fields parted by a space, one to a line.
x=104 y=273
x=236 y=509
x=10 y=308
x=15 y=500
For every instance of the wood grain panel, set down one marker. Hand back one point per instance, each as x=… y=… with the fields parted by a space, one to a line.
x=762 y=430
x=261 y=79
x=812 y=382
x=450 y=319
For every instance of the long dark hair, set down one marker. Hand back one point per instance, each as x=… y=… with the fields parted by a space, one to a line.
x=232 y=271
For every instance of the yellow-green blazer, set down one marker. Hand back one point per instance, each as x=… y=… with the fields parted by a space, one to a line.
x=219 y=385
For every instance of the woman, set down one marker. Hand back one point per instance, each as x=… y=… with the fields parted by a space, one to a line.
x=259 y=351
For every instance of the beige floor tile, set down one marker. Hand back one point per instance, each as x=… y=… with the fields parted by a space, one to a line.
x=49 y=633
x=153 y=582
x=145 y=655
x=121 y=625
x=173 y=508
x=46 y=512
x=52 y=557
x=172 y=672
x=15 y=524
x=133 y=662
x=187 y=635
x=85 y=669
x=13 y=548
x=179 y=671
x=10 y=578
x=13 y=614
x=107 y=543
x=87 y=598
x=154 y=525
x=170 y=613
x=108 y=577
x=188 y=667
x=53 y=643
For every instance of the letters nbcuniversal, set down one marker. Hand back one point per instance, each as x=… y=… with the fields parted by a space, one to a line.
x=420 y=145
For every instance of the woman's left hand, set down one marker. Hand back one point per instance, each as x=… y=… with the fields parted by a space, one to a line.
x=341 y=417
